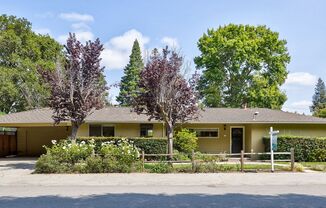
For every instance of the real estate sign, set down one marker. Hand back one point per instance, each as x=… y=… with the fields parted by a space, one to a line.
x=274 y=142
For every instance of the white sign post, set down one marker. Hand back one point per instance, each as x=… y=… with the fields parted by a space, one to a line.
x=273 y=144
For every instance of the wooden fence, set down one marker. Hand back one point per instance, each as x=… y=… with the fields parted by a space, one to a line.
x=193 y=160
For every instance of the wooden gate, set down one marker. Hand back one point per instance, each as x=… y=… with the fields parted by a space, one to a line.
x=8 y=143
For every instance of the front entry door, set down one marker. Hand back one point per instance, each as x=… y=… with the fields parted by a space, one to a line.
x=237 y=139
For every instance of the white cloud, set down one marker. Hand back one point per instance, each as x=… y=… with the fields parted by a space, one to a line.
x=82 y=36
x=76 y=17
x=117 y=49
x=301 y=106
x=80 y=26
x=301 y=78
x=42 y=31
x=171 y=42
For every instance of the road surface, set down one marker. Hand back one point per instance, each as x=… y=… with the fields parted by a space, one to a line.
x=20 y=188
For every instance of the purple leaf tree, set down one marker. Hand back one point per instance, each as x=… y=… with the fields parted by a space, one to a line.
x=77 y=86
x=164 y=94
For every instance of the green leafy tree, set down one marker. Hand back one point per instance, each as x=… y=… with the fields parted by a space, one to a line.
x=318 y=107
x=21 y=52
x=129 y=81
x=242 y=65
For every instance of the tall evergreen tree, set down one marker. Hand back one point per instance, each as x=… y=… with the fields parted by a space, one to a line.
x=319 y=98
x=129 y=81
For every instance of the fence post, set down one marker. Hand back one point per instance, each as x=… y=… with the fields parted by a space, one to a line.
x=252 y=154
x=242 y=160
x=193 y=160
x=143 y=160
x=292 y=159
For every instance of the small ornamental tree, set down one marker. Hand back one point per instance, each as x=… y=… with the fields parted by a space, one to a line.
x=165 y=95
x=77 y=89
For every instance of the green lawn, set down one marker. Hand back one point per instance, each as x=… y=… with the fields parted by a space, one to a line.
x=318 y=166
x=206 y=168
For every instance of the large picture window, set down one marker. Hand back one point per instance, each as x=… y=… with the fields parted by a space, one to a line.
x=206 y=133
x=99 y=130
x=146 y=130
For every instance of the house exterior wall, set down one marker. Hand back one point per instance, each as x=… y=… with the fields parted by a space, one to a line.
x=30 y=140
x=258 y=131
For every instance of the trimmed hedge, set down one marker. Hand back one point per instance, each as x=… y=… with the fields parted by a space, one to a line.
x=304 y=147
x=148 y=145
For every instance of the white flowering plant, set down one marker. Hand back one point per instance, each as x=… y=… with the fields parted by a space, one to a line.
x=66 y=152
x=119 y=157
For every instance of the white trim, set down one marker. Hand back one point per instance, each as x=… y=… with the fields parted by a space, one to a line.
x=243 y=137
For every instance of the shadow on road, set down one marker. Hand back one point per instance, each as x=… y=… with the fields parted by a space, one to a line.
x=178 y=200
x=20 y=165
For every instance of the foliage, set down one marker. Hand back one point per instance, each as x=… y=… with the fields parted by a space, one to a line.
x=209 y=158
x=214 y=168
x=242 y=65
x=303 y=146
x=317 y=155
x=181 y=156
x=61 y=157
x=317 y=166
x=164 y=94
x=81 y=157
x=186 y=141
x=318 y=107
x=148 y=145
x=129 y=82
x=78 y=88
x=320 y=113
x=22 y=51
x=160 y=168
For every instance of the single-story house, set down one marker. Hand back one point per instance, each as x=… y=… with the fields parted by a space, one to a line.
x=218 y=129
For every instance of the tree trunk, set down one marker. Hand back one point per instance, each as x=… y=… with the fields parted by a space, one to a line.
x=170 y=140
x=74 y=129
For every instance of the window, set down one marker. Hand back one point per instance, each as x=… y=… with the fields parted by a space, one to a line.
x=98 y=130
x=146 y=130
x=95 y=130
x=108 y=131
x=206 y=133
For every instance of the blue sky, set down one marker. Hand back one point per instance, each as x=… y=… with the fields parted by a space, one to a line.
x=180 y=24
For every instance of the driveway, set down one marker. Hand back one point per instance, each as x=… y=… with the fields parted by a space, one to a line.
x=20 y=188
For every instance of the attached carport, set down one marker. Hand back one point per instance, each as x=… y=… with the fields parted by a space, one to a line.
x=34 y=129
x=29 y=140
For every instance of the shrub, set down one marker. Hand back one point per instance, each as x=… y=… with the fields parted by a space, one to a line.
x=148 y=145
x=160 y=168
x=209 y=158
x=303 y=146
x=186 y=141
x=119 y=157
x=64 y=157
x=180 y=155
x=317 y=155
x=213 y=168
x=93 y=165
